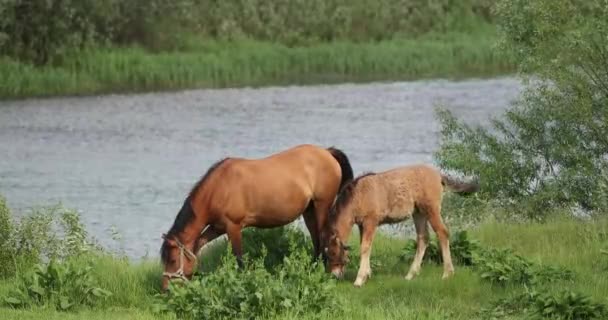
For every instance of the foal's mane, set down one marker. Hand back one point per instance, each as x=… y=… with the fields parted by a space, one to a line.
x=346 y=195
x=186 y=214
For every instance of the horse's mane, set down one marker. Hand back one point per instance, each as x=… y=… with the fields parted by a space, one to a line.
x=186 y=214
x=346 y=195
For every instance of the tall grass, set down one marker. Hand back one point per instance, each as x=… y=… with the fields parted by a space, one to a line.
x=216 y=64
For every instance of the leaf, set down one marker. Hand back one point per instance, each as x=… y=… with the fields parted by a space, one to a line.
x=38 y=290
x=12 y=301
x=64 y=303
x=98 y=292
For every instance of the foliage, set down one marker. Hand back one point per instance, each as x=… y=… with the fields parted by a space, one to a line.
x=43 y=31
x=549 y=150
x=562 y=305
x=302 y=22
x=7 y=249
x=274 y=245
x=62 y=285
x=42 y=235
x=212 y=64
x=295 y=287
x=502 y=266
x=462 y=249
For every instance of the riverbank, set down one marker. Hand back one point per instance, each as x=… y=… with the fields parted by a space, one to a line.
x=219 y=64
x=558 y=244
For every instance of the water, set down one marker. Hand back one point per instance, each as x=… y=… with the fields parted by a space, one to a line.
x=129 y=160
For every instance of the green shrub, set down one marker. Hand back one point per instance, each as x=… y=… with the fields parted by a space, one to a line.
x=563 y=305
x=295 y=287
x=502 y=266
x=63 y=286
x=301 y=22
x=462 y=249
x=41 y=235
x=548 y=152
x=7 y=244
x=47 y=31
x=271 y=245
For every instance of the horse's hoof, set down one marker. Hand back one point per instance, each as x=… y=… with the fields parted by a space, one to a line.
x=409 y=277
x=447 y=275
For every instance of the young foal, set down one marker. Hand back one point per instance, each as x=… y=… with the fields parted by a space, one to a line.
x=386 y=198
x=236 y=193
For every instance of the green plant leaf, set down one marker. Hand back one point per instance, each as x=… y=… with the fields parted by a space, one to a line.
x=12 y=301
x=64 y=303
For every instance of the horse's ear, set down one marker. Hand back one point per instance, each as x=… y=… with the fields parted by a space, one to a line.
x=164 y=236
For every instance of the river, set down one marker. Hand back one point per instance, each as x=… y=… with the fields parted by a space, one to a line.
x=128 y=161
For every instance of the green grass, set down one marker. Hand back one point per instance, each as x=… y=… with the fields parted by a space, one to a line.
x=215 y=64
x=573 y=244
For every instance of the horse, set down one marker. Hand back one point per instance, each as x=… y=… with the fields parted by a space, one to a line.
x=389 y=197
x=236 y=193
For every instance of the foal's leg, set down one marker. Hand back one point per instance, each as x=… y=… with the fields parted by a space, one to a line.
x=367 y=237
x=234 y=234
x=444 y=239
x=422 y=241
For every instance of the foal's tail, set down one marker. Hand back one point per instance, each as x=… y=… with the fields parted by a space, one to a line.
x=347 y=170
x=459 y=186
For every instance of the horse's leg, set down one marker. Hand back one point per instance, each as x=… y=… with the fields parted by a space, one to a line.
x=365 y=271
x=311 y=225
x=321 y=214
x=235 y=236
x=422 y=241
x=441 y=230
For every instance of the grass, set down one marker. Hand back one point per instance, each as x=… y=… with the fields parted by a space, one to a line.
x=217 y=64
x=572 y=244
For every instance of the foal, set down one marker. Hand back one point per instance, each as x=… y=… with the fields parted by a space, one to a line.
x=390 y=197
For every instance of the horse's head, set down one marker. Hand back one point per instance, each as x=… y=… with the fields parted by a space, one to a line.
x=336 y=253
x=179 y=260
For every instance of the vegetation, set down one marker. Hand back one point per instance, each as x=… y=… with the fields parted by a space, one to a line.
x=528 y=254
x=548 y=152
x=92 y=47
x=558 y=254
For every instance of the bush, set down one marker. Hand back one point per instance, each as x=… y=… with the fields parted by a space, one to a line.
x=42 y=235
x=297 y=22
x=45 y=31
x=549 y=150
x=462 y=248
x=295 y=287
x=7 y=249
x=64 y=286
x=271 y=245
x=502 y=266
x=563 y=305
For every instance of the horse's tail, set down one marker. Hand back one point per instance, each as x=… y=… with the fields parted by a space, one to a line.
x=347 y=170
x=458 y=186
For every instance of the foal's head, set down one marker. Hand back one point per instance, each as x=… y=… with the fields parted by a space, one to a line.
x=336 y=253
x=179 y=261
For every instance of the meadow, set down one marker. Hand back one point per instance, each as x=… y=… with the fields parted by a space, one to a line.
x=503 y=271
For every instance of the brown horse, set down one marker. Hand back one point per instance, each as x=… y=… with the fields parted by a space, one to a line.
x=236 y=193
x=386 y=198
